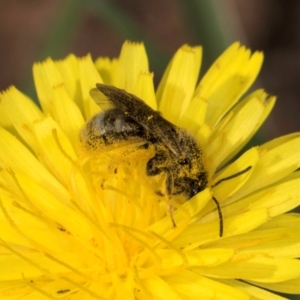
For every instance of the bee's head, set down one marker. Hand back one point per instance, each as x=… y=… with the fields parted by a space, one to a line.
x=190 y=186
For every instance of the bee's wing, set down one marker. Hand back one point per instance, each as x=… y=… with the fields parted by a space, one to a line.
x=101 y=99
x=143 y=114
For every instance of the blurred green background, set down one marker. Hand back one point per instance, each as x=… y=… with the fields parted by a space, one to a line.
x=32 y=30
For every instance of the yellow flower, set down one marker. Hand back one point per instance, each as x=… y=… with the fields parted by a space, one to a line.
x=75 y=225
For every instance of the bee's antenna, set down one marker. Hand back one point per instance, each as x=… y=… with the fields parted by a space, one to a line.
x=220 y=216
x=232 y=176
x=216 y=201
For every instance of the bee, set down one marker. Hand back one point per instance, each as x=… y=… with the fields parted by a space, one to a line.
x=127 y=119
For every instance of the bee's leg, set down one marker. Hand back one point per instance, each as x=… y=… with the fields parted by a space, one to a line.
x=180 y=187
x=157 y=164
x=170 y=213
x=169 y=188
x=169 y=182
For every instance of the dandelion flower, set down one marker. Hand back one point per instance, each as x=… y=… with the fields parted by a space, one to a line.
x=80 y=225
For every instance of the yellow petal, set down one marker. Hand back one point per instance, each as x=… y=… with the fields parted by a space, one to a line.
x=254 y=292
x=277 y=199
x=233 y=132
x=194 y=286
x=88 y=77
x=55 y=148
x=159 y=289
x=20 y=112
x=46 y=77
x=66 y=113
x=226 y=80
x=11 y=290
x=227 y=188
x=69 y=71
x=16 y=156
x=144 y=89
x=123 y=284
x=170 y=259
x=208 y=232
x=188 y=210
x=54 y=96
x=203 y=135
x=208 y=257
x=288 y=221
x=11 y=236
x=14 y=267
x=274 y=242
x=108 y=69
x=133 y=61
x=54 y=209
x=289 y=286
x=278 y=159
x=26 y=230
x=268 y=103
x=84 y=196
x=256 y=268
x=193 y=117
x=177 y=86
